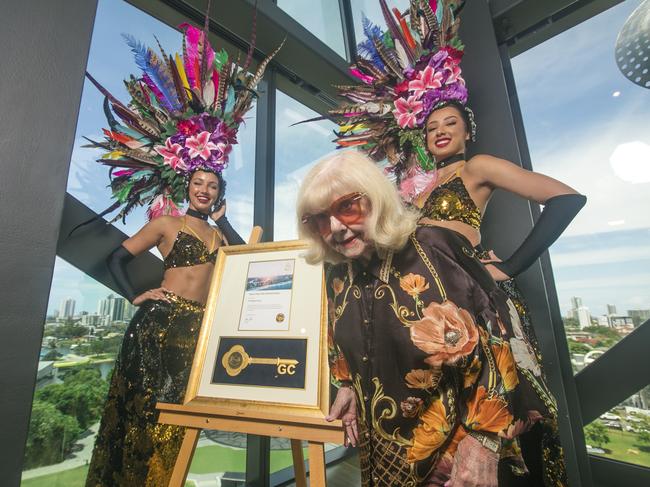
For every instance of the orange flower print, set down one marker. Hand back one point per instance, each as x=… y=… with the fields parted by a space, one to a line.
x=506 y=365
x=471 y=373
x=446 y=332
x=487 y=414
x=423 y=379
x=430 y=434
x=413 y=284
x=339 y=368
x=411 y=407
x=337 y=286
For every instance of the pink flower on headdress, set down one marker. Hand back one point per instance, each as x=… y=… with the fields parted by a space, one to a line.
x=406 y=111
x=454 y=71
x=200 y=146
x=171 y=154
x=428 y=79
x=162 y=205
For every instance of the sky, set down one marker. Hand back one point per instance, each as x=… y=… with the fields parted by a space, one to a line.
x=577 y=132
x=587 y=125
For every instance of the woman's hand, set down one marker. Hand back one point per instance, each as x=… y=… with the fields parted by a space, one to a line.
x=157 y=294
x=474 y=465
x=345 y=409
x=221 y=211
x=496 y=274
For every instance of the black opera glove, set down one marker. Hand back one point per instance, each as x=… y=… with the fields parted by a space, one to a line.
x=555 y=217
x=229 y=232
x=116 y=262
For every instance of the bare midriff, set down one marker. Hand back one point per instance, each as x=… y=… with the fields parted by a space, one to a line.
x=191 y=282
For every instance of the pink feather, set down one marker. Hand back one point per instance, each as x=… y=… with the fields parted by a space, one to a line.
x=363 y=77
x=196 y=44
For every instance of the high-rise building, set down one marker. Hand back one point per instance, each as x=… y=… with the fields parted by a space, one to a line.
x=113 y=307
x=611 y=309
x=66 y=308
x=639 y=315
x=579 y=312
x=91 y=320
x=129 y=310
x=583 y=316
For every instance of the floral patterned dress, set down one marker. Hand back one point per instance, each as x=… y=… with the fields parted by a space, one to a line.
x=434 y=351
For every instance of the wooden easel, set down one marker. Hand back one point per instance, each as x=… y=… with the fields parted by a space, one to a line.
x=195 y=417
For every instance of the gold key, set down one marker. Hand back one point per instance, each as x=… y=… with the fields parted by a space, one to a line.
x=236 y=359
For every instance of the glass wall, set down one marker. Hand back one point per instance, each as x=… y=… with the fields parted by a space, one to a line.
x=321 y=17
x=86 y=320
x=586 y=125
x=110 y=61
x=296 y=150
x=372 y=11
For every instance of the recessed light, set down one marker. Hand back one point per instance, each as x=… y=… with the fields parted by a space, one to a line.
x=616 y=94
x=615 y=223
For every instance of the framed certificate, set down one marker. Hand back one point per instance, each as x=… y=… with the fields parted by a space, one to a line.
x=263 y=342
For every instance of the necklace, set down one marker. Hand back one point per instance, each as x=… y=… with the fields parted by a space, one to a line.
x=450 y=160
x=197 y=214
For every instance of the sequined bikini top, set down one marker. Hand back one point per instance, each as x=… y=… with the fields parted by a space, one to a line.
x=189 y=249
x=450 y=201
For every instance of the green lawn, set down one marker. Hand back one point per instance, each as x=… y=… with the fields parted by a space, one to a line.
x=207 y=459
x=621 y=442
x=75 y=477
x=217 y=458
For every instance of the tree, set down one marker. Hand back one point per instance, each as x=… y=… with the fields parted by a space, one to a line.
x=644 y=431
x=51 y=435
x=71 y=330
x=570 y=323
x=596 y=434
x=52 y=355
x=81 y=395
x=577 y=347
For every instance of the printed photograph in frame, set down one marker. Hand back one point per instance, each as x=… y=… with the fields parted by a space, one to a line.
x=270 y=365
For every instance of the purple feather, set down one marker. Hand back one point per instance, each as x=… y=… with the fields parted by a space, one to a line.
x=155 y=73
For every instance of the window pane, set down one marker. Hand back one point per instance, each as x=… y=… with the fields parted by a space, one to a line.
x=110 y=61
x=585 y=126
x=82 y=333
x=321 y=17
x=296 y=150
x=86 y=321
x=372 y=10
x=624 y=432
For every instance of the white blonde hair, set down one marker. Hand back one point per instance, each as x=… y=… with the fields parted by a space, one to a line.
x=388 y=224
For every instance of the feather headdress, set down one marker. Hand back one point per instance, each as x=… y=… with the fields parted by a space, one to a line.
x=183 y=115
x=406 y=70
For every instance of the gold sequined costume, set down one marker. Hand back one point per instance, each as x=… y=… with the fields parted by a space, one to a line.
x=132 y=449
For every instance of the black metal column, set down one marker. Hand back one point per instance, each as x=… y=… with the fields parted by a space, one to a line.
x=258 y=461
x=265 y=156
x=347 y=21
x=500 y=133
x=40 y=91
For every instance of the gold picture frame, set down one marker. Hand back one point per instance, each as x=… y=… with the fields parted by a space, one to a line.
x=277 y=386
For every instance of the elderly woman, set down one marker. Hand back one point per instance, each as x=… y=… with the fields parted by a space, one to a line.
x=422 y=340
